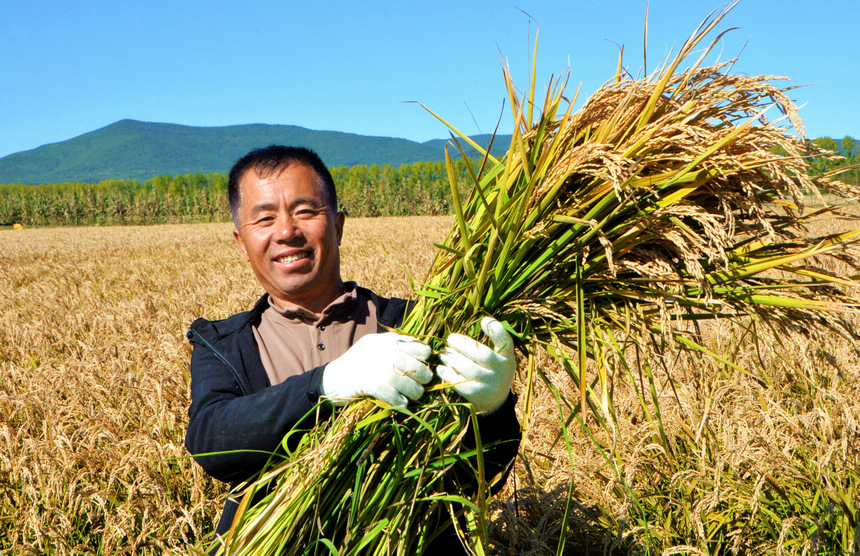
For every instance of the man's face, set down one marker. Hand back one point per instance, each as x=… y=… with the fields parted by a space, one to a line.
x=291 y=236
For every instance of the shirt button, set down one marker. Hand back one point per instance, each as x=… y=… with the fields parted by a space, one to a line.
x=321 y=326
x=320 y=347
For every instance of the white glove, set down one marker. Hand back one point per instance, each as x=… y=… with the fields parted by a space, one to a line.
x=481 y=375
x=390 y=367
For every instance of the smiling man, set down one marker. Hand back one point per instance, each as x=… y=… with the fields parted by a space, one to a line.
x=312 y=336
x=289 y=230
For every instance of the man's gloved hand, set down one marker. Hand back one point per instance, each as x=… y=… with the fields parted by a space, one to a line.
x=390 y=367
x=481 y=375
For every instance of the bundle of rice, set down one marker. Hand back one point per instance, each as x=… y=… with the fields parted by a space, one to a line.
x=660 y=203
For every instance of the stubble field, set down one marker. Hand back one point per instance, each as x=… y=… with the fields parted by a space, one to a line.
x=94 y=393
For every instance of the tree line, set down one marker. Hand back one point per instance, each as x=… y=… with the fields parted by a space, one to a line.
x=848 y=157
x=420 y=188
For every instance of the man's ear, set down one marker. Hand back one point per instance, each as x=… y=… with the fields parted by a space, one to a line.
x=338 y=223
x=241 y=243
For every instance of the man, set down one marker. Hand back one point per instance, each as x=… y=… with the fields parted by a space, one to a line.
x=257 y=374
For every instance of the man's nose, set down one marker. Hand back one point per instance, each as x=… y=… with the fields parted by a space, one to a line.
x=285 y=228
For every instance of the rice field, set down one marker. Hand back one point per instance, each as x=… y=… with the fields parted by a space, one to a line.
x=94 y=392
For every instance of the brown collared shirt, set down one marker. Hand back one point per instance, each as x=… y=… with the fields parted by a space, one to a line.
x=294 y=340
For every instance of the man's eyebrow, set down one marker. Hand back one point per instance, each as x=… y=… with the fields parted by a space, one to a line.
x=263 y=206
x=313 y=201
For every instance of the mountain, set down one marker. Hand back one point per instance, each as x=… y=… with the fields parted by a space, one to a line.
x=141 y=150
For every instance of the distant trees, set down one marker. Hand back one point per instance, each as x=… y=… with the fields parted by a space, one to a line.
x=849 y=147
x=411 y=189
x=847 y=157
x=163 y=199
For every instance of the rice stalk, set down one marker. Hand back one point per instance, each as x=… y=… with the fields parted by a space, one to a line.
x=606 y=233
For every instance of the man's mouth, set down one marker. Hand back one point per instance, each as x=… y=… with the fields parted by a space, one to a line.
x=292 y=258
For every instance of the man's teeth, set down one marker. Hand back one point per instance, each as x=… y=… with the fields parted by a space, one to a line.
x=291 y=258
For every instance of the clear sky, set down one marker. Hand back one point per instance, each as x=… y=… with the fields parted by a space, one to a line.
x=72 y=66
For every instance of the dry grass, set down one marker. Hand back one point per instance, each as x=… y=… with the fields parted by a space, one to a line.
x=94 y=387
x=94 y=393
x=798 y=418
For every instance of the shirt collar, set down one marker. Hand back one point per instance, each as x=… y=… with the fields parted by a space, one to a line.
x=336 y=307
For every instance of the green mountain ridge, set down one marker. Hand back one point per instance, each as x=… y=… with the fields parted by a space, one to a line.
x=131 y=149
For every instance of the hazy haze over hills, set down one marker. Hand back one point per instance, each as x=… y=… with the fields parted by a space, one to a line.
x=141 y=150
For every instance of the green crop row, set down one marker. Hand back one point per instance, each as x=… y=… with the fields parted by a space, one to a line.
x=412 y=189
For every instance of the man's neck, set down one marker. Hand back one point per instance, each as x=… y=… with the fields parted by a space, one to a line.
x=314 y=303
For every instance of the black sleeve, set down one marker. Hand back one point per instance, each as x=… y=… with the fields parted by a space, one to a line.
x=500 y=436
x=222 y=418
x=500 y=439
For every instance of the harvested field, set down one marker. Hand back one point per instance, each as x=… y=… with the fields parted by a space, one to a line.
x=94 y=394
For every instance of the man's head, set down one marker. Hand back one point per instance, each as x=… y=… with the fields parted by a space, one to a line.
x=288 y=226
x=271 y=159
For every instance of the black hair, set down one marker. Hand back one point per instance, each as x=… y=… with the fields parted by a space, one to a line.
x=274 y=158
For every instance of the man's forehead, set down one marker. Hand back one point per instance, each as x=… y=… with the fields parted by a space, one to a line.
x=264 y=172
x=268 y=177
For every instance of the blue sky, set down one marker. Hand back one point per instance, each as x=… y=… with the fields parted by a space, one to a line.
x=69 y=67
